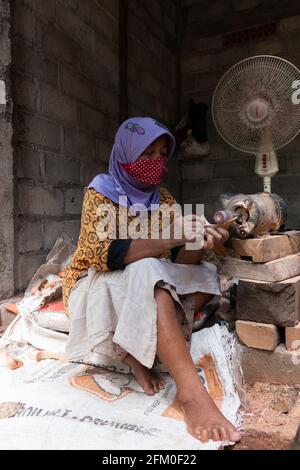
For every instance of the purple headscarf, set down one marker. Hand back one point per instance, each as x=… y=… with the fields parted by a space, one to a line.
x=131 y=140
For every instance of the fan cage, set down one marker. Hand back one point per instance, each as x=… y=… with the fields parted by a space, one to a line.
x=264 y=77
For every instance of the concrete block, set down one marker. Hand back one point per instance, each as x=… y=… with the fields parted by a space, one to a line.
x=81 y=145
x=170 y=26
x=6 y=150
x=46 y=10
x=29 y=237
x=75 y=86
x=26 y=92
x=268 y=46
x=193 y=170
x=6 y=242
x=202 y=44
x=156 y=29
x=237 y=185
x=279 y=366
x=24 y=22
x=73 y=201
x=57 y=105
x=75 y=27
x=292 y=337
x=104 y=149
x=213 y=9
x=92 y=119
x=111 y=6
x=286 y=184
x=241 y=5
x=233 y=168
x=58 y=44
x=39 y=131
x=96 y=72
x=198 y=63
x=7 y=283
x=5 y=43
x=290 y=24
x=107 y=102
x=26 y=267
x=154 y=9
x=90 y=170
x=257 y=335
x=198 y=190
x=28 y=164
x=36 y=64
x=52 y=228
x=103 y=23
x=60 y=170
x=106 y=52
x=40 y=201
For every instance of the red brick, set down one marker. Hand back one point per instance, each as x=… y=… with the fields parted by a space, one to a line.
x=257 y=335
x=292 y=337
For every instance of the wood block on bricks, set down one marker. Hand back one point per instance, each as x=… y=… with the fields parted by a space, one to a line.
x=257 y=335
x=292 y=337
x=269 y=302
x=273 y=271
x=268 y=247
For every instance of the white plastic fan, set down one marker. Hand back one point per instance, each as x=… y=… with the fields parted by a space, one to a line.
x=254 y=112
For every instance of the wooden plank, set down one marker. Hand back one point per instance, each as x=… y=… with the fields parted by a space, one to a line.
x=268 y=247
x=273 y=271
x=269 y=302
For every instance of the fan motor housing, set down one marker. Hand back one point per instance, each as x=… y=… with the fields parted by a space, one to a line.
x=258 y=214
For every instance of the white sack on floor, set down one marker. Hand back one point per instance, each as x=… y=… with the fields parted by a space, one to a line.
x=79 y=406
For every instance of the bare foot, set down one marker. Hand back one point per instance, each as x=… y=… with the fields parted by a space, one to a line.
x=204 y=421
x=151 y=382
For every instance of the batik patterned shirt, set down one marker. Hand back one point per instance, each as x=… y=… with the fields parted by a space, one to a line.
x=94 y=241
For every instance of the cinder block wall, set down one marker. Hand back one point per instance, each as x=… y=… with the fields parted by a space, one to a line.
x=6 y=158
x=152 y=57
x=153 y=67
x=65 y=72
x=66 y=105
x=205 y=58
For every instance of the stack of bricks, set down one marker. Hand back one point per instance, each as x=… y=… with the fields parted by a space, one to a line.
x=274 y=316
x=268 y=293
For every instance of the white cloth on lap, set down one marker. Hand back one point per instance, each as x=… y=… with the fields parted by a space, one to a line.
x=115 y=312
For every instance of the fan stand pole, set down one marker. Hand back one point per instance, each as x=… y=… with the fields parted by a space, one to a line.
x=267 y=184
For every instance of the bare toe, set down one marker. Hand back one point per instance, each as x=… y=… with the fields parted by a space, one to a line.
x=204 y=435
x=215 y=434
x=235 y=436
x=223 y=433
x=155 y=385
x=148 y=388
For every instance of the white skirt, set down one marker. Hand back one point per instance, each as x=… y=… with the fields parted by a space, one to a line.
x=114 y=313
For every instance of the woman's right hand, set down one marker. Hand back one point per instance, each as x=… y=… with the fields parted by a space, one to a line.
x=214 y=236
x=188 y=228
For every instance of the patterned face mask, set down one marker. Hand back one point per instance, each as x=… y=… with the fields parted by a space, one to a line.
x=149 y=171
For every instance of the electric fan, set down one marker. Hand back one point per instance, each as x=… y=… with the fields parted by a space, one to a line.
x=253 y=109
